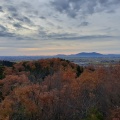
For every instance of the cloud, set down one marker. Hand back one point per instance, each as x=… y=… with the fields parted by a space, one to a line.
x=1 y=10
x=75 y=8
x=4 y=33
x=82 y=37
x=2 y=28
x=42 y=17
x=84 y=24
x=17 y=25
x=24 y=19
x=11 y=9
x=19 y=17
x=71 y=36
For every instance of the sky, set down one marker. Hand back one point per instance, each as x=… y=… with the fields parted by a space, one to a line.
x=50 y=27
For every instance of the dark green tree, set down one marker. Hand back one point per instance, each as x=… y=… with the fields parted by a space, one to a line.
x=1 y=72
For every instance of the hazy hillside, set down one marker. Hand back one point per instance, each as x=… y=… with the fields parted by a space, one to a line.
x=92 y=54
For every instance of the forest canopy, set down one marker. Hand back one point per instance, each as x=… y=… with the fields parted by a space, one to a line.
x=56 y=89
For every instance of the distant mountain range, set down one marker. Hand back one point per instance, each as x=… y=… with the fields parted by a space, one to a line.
x=90 y=54
x=82 y=54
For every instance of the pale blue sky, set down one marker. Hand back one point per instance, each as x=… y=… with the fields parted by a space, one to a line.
x=49 y=27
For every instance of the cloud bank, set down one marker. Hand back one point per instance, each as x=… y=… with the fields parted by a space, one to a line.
x=59 y=23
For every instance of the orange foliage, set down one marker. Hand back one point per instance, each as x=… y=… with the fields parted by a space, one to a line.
x=55 y=89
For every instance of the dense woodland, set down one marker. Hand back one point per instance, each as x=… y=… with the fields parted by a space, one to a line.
x=56 y=89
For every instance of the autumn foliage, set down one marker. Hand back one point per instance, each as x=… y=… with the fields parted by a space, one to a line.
x=56 y=89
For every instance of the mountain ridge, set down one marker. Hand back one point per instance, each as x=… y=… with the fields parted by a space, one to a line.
x=78 y=55
x=88 y=54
